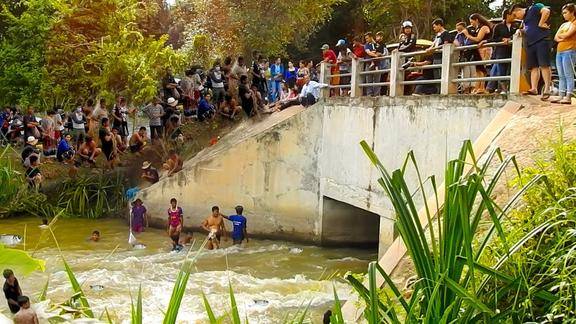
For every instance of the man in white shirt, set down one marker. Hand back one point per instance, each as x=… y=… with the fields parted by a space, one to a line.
x=310 y=92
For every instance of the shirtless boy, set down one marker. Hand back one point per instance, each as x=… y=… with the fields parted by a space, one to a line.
x=214 y=224
x=25 y=315
x=175 y=222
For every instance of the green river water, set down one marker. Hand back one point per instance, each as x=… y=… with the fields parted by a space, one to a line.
x=270 y=278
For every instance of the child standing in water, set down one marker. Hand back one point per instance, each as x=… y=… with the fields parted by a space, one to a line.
x=175 y=222
x=139 y=216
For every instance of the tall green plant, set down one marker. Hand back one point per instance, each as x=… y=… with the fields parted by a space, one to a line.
x=91 y=196
x=445 y=253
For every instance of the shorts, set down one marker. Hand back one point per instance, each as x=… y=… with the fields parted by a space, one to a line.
x=218 y=94
x=135 y=147
x=138 y=228
x=538 y=54
x=217 y=237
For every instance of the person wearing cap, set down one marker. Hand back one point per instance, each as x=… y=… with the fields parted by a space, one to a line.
x=344 y=61
x=155 y=112
x=169 y=110
x=149 y=173
x=30 y=150
x=328 y=56
x=407 y=38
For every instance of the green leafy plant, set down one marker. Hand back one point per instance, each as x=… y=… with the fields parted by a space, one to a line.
x=91 y=196
x=136 y=311
x=451 y=283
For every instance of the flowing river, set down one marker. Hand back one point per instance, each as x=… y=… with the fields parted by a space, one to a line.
x=271 y=279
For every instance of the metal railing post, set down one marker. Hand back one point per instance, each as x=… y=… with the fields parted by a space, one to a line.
x=325 y=79
x=355 y=89
x=448 y=72
x=516 y=64
x=396 y=74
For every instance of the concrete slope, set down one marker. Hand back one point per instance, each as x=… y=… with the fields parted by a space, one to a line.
x=250 y=166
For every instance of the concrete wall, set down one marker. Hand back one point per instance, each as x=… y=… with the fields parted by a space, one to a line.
x=281 y=168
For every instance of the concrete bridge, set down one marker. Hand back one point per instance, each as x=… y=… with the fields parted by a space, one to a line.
x=302 y=176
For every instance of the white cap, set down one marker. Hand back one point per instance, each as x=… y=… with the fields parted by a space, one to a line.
x=172 y=102
x=31 y=140
x=407 y=23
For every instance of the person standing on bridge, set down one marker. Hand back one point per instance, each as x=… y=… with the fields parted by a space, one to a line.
x=566 y=55
x=537 y=31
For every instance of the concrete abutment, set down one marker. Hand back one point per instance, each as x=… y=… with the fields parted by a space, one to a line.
x=301 y=174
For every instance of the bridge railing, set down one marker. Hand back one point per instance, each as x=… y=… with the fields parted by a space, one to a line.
x=368 y=76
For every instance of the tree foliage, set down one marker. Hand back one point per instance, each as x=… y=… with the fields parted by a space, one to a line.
x=238 y=27
x=22 y=48
x=57 y=50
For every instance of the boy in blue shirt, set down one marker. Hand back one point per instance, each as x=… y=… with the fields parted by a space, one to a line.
x=239 y=222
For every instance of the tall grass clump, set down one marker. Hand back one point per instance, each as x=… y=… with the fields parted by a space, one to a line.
x=15 y=196
x=545 y=224
x=92 y=196
x=451 y=284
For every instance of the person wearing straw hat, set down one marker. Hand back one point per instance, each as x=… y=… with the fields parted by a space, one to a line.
x=149 y=173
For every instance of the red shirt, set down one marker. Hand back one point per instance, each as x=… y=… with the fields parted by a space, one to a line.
x=359 y=51
x=330 y=56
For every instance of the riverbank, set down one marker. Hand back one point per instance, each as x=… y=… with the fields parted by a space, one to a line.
x=270 y=278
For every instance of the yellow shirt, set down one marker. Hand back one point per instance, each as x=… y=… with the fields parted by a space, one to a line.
x=568 y=43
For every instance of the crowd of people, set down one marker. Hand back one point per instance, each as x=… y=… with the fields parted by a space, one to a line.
x=532 y=21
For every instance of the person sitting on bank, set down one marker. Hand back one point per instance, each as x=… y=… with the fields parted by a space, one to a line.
x=138 y=140
x=12 y=290
x=65 y=152
x=30 y=150
x=173 y=164
x=88 y=151
x=33 y=175
x=310 y=92
x=149 y=173
x=230 y=108
x=25 y=315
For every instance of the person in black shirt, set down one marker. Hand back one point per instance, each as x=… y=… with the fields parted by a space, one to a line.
x=503 y=32
x=407 y=38
x=245 y=95
x=33 y=175
x=107 y=142
x=169 y=84
x=31 y=124
x=11 y=290
x=29 y=150
x=442 y=37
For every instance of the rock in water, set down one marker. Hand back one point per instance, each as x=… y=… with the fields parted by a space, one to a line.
x=139 y=246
